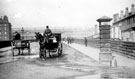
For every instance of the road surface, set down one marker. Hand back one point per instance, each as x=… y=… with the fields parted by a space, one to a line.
x=71 y=65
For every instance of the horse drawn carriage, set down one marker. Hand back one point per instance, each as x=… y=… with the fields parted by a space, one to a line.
x=53 y=45
x=20 y=45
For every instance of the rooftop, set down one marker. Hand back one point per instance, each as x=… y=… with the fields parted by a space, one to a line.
x=4 y=19
x=104 y=19
x=130 y=15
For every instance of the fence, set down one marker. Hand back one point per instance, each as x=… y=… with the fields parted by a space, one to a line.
x=124 y=48
x=121 y=47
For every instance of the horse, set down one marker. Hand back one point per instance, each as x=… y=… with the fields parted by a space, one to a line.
x=43 y=44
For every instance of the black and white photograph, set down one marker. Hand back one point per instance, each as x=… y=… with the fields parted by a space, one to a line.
x=67 y=39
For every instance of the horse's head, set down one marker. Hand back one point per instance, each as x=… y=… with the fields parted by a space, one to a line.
x=38 y=36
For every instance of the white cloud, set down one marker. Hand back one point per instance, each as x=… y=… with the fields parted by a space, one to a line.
x=70 y=13
x=10 y=0
x=18 y=15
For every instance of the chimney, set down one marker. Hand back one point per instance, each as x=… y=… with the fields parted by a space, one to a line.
x=5 y=18
x=1 y=18
x=116 y=17
x=126 y=12
x=121 y=14
x=132 y=8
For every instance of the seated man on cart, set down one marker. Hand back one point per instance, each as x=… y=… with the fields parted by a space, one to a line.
x=17 y=41
x=17 y=36
x=47 y=34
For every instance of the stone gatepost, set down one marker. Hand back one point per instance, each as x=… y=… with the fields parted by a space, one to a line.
x=105 y=54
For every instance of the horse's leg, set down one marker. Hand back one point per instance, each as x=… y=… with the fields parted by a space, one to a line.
x=44 y=53
x=40 y=50
x=49 y=49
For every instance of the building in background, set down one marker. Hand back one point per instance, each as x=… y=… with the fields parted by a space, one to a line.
x=5 y=29
x=123 y=27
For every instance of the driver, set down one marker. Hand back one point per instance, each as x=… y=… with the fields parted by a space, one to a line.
x=47 y=33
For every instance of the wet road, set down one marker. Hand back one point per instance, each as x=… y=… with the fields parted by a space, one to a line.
x=71 y=65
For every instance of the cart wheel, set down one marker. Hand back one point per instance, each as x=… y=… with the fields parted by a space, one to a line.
x=61 y=50
x=58 y=50
x=12 y=51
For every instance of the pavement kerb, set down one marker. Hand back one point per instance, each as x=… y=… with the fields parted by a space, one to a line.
x=79 y=51
x=116 y=62
x=85 y=54
x=70 y=45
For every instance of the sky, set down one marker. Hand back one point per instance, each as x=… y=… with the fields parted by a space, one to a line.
x=60 y=13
